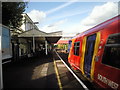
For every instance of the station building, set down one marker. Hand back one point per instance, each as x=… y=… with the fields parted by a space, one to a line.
x=28 y=39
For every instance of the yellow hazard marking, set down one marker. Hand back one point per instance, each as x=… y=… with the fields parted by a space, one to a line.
x=57 y=74
x=95 y=54
x=83 y=55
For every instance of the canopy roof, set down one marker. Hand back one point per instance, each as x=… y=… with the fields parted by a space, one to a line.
x=42 y=36
x=62 y=42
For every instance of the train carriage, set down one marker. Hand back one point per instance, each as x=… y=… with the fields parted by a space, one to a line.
x=96 y=53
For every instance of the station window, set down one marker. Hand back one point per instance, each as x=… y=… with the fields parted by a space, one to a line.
x=76 y=48
x=111 y=54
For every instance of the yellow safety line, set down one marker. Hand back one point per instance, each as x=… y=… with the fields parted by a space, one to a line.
x=58 y=77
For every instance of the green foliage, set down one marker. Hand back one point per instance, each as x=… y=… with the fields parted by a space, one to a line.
x=11 y=13
x=62 y=46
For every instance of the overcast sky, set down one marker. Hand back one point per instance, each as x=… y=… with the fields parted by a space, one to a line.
x=70 y=17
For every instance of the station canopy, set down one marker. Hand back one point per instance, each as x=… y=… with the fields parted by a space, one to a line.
x=62 y=42
x=41 y=36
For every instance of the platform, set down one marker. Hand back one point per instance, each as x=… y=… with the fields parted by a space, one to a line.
x=39 y=72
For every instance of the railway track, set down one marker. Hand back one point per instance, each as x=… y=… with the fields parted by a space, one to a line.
x=62 y=63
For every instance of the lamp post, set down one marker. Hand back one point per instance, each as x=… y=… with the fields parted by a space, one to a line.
x=34 y=37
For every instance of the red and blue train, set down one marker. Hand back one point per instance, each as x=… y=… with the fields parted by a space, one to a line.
x=96 y=53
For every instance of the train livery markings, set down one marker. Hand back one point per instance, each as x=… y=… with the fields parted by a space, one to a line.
x=99 y=53
x=108 y=82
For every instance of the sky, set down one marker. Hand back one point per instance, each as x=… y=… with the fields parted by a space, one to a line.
x=70 y=17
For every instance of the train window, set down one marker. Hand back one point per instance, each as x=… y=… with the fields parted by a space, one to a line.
x=76 y=48
x=111 y=54
x=114 y=39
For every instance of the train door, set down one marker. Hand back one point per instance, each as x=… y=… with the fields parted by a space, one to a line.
x=90 y=43
x=71 y=53
x=69 y=46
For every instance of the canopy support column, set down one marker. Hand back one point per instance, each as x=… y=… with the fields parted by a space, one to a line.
x=46 y=51
x=33 y=43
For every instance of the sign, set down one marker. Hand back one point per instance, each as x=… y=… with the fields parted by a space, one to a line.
x=108 y=82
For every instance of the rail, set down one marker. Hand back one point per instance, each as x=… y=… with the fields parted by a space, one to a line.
x=83 y=85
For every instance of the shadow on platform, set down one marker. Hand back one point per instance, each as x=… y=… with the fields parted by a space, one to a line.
x=19 y=74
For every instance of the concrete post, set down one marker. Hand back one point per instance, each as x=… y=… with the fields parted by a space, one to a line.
x=33 y=35
x=33 y=43
x=1 y=78
x=46 y=48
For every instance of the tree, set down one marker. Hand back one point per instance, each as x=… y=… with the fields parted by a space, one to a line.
x=12 y=13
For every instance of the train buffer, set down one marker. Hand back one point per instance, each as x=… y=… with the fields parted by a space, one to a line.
x=42 y=72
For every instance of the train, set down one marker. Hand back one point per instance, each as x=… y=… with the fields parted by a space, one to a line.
x=96 y=54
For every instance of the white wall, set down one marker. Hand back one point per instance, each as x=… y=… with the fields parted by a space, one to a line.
x=27 y=23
